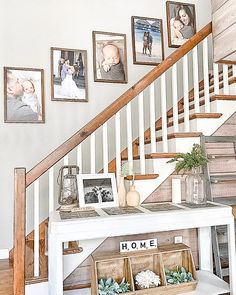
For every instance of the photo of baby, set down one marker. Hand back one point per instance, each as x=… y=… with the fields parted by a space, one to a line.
x=69 y=74
x=181 y=22
x=147 y=40
x=24 y=95
x=110 y=64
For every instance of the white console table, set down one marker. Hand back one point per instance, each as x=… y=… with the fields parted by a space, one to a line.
x=144 y=222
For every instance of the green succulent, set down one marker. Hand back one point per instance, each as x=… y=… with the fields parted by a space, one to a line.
x=187 y=161
x=178 y=276
x=111 y=287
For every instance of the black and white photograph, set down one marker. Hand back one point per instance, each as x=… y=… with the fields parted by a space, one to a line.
x=97 y=190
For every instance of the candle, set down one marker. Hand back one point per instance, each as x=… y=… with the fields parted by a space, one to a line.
x=176 y=190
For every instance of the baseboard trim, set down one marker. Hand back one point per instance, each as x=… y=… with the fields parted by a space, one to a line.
x=4 y=253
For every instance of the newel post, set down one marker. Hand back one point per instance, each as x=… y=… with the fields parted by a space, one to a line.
x=19 y=231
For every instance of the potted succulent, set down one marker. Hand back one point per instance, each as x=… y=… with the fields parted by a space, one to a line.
x=178 y=276
x=111 y=287
x=192 y=162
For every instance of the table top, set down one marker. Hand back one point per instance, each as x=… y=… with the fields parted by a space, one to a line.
x=150 y=217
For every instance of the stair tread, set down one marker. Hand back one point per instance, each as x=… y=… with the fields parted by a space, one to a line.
x=202 y=102
x=142 y=176
x=213 y=156
x=192 y=117
x=176 y=135
x=222 y=178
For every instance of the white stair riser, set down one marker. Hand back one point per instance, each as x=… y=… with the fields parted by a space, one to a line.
x=179 y=145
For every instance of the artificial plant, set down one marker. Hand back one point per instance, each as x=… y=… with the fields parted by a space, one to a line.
x=187 y=161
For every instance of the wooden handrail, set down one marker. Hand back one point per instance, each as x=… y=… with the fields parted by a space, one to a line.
x=117 y=105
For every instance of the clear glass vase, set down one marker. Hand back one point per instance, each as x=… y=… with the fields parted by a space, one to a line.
x=195 y=187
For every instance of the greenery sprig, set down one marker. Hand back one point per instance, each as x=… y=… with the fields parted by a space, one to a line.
x=187 y=161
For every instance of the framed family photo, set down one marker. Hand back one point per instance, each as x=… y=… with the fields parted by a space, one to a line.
x=181 y=22
x=109 y=57
x=97 y=190
x=69 y=80
x=23 y=95
x=147 y=40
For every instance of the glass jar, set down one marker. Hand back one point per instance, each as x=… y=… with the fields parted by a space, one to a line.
x=195 y=187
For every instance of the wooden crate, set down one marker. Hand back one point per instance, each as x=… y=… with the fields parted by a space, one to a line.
x=128 y=265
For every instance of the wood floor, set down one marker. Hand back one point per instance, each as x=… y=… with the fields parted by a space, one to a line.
x=6 y=277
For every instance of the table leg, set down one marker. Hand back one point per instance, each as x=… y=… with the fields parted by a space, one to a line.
x=232 y=257
x=205 y=249
x=55 y=266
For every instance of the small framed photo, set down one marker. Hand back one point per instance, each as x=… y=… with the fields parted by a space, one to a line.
x=23 y=95
x=181 y=22
x=109 y=57
x=147 y=40
x=97 y=190
x=69 y=79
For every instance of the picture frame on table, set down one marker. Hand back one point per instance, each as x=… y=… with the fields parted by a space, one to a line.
x=97 y=190
x=69 y=78
x=23 y=95
x=181 y=22
x=109 y=57
x=147 y=40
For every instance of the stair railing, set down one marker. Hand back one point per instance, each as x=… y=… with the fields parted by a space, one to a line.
x=121 y=116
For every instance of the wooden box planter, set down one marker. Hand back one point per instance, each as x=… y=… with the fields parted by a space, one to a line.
x=128 y=265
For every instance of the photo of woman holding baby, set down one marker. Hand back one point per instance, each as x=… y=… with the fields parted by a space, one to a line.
x=181 y=22
x=109 y=57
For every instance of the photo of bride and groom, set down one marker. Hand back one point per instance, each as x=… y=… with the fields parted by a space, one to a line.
x=69 y=79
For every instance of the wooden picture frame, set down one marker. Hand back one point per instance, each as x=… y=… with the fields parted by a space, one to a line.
x=69 y=78
x=109 y=57
x=23 y=95
x=97 y=190
x=181 y=22
x=147 y=40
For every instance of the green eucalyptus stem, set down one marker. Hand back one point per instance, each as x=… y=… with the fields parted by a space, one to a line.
x=187 y=161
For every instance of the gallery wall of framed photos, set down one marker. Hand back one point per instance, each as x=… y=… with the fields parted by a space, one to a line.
x=38 y=34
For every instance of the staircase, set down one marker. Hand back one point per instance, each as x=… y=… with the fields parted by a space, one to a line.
x=131 y=129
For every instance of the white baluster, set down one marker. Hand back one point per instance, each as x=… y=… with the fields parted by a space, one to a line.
x=118 y=151
x=141 y=133
x=234 y=75
x=196 y=79
x=79 y=158
x=129 y=135
x=206 y=76
x=226 y=79
x=163 y=113
x=105 y=148
x=175 y=98
x=234 y=71
x=152 y=118
x=51 y=190
x=36 y=228
x=92 y=153
x=216 y=78
x=66 y=160
x=186 y=98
